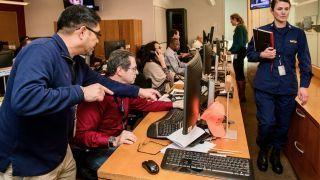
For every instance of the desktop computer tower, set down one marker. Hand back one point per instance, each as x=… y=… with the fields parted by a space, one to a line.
x=177 y=19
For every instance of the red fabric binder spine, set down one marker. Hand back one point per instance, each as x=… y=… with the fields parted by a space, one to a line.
x=272 y=45
x=272 y=40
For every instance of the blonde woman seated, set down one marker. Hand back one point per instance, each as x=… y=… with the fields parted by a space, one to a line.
x=155 y=68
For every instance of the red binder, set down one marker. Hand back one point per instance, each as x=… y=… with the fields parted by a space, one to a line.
x=262 y=39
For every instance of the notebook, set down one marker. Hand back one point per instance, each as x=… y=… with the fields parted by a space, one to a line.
x=262 y=39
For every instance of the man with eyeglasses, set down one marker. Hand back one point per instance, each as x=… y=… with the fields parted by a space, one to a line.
x=101 y=125
x=47 y=81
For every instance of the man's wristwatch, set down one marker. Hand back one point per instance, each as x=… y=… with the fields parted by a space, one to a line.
x=111 y=140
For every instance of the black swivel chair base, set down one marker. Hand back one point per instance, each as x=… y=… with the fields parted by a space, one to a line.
x=83 y=171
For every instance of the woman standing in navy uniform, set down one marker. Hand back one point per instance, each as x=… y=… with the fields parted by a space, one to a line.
x=275 y=83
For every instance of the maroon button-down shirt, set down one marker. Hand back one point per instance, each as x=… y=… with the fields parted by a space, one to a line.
x=97 y=121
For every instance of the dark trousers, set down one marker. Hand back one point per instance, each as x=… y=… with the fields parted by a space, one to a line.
x=238 y=64
x=274 y=114
x=89 y=160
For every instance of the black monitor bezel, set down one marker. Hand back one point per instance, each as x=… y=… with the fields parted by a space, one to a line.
x=192 y=93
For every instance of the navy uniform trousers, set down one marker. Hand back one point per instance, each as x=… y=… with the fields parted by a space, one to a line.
x=274 y=113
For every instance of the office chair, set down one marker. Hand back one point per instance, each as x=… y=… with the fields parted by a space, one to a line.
x=83 y=171
x=110 y=46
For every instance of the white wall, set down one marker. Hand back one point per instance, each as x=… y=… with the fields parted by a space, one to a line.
x=160 y=25
x=234 y=6
x=40 y=15
x=201 y=16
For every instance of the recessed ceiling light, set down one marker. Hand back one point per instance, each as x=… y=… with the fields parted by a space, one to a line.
x=14 y=2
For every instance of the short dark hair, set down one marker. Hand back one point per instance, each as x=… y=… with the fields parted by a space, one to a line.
x=76 y=16
x=274 y=2
x=118 y=58
x=173 y=32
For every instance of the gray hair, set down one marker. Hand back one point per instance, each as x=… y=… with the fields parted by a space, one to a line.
x=118 y=58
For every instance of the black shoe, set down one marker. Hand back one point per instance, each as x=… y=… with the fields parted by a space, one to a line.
x=275 y=162
x=262 y=160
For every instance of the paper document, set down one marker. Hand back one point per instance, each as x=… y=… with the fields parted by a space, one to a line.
x=184 y=140
x=177 y=91
x=164 y=98
x=179 y=82
x=205 y=147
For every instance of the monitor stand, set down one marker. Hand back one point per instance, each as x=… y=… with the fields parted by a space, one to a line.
x=230 y=134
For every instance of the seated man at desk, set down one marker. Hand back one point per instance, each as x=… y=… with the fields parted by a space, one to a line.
x=101 y=125
x=172 y=59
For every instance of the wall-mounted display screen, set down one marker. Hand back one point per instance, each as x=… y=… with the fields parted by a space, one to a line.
x=87 y=3
x=258 y=4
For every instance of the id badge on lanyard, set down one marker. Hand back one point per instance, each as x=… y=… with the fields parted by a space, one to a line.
x=281 y=68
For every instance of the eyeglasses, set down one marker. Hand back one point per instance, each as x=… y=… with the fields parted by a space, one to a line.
x=148 y=142
x=98 y=34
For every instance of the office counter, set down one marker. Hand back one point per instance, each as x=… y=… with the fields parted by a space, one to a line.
x=303 y=147
x=125 y=162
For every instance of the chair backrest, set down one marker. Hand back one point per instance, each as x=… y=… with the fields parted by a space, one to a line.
x=110 y=46
x=142 y=81
x=6 y=58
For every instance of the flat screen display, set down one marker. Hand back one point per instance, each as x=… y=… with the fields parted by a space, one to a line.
x=258 y=4
x=87 y=3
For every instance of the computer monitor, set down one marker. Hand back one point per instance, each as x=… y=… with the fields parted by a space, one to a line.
x=6 y=58
x=204 y=37
x=192 y=92
x=219 y=47
x=110 y=46
x=211 y=34
x=207 y=58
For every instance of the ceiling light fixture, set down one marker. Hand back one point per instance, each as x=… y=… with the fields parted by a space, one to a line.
x=14 y=3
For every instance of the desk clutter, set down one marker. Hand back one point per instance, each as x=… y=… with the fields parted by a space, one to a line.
x=184 y=142
x=192 y=152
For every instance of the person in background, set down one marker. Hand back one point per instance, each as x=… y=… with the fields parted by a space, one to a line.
x=155 y=68
x=174 y=33
x=197 y=43
x=47 y=81
x=25 y=40
x=101 y=126
x=238 y=48
x=275 y=83
x=171 y=57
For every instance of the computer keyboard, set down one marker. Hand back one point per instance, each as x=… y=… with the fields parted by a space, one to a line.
x=207 y=164
x=165 y=126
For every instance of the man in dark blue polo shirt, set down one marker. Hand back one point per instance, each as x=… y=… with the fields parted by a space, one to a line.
x=47 y=81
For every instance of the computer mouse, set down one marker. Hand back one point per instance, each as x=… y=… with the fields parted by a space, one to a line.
x=151 y=166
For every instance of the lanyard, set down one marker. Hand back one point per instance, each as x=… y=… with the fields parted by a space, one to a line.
x=283 y=46
x=121 y=110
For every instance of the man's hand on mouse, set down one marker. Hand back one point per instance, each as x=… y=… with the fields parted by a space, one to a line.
x=126 y=137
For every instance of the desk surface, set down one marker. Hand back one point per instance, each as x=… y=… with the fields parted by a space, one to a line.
x=313 y=104
x=5 y=71
x=125 y=162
